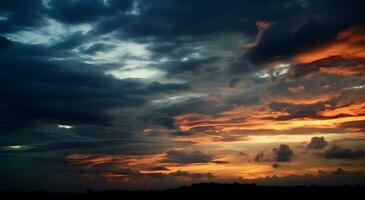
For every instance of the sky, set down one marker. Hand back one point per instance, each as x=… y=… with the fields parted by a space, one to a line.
x=142 y=94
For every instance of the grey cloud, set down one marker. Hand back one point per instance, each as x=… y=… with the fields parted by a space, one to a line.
x=86 y=11
x=4 y=43
x=317 y=143
x=283 y=153
x=185 y=157
x=337 y=152
x=21 y=15
x=38 y=91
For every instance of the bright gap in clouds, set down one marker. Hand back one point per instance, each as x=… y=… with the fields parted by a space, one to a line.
x=139 y=73
x=64 y=126
x=277 y=71
x=15 y=147
x=51 y=32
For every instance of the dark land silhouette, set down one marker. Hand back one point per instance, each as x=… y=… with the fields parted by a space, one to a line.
x=202 y=190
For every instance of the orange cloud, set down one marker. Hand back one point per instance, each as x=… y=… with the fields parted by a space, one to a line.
x=258 y=118
x=356 y=109
x=87 y=159
x=349 y=43
x=298 y=98
x=358 y=70
x=297 y=90
x=226 y=120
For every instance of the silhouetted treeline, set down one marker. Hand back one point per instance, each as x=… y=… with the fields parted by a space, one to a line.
x=204 y=190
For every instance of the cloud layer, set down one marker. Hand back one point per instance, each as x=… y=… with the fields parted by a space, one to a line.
x=128 y=94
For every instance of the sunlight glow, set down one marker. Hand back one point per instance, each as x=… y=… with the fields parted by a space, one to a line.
x=64 y=126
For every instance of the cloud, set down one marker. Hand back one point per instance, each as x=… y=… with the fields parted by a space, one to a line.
x=283 y=153
x=339 y=171
x=97 y=47
x=190 y=66
x=39 y=91
x=71 y=41
x=259 y=157
x=296 y=111
x=85 y=11
x=286 y=40
x=276 y=165
x=262 y=26
x=20 y=15
x=348 y=43
x=337 y=152
x=317 y=143
x=157 y=168
x=227 y=73
x=220 y=162
x=354 y=126
x=181 y=16
x=184 y=157
x=4 y=43
x=336 y=65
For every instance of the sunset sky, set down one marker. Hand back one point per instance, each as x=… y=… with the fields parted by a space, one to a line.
x=152 y=94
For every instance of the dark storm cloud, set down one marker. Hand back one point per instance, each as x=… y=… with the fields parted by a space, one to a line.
x=15 y=50
x=292 y=35
x=86 y=11
x=56 y=93
x=184 y=157
x=171 y=25
x=158 y=120
x=213 y=46
x=337 y=152
x=65 y=144
x=36 y=90
x=317 y=143
x=21 y=15
x=164 y=21
x=284 y=40
x=292 y=30
x=178 y=18
x=167 y=122
x=283 y=153
x=4 y=43
x=288 y=35
x=78 y=11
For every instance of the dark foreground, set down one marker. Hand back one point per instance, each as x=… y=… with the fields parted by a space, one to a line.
x=204 y=190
